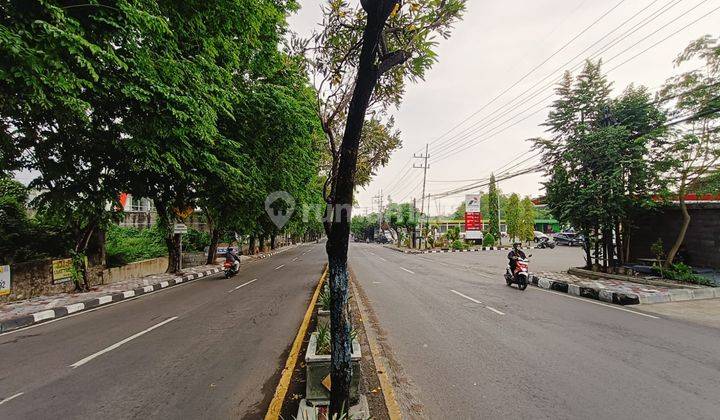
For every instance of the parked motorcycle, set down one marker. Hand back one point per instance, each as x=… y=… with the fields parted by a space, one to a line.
x=230 y=269
x=545 y=243
x=521 y=277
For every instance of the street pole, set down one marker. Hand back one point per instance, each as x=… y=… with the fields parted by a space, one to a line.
x=424 y=166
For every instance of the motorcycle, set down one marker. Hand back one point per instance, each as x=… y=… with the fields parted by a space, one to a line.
x=522 y=273
x=230 y=269
x=546 y=243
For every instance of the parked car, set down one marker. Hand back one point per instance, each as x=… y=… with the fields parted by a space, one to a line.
x=539 y=235
x=381 y=239
x=565 y=239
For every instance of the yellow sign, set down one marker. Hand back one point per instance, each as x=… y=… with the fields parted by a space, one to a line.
x=327 y=382
x=4 y=280
x=62 y=269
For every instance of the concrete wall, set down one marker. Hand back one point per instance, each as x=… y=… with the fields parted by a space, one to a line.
x=146 y=219
x=34 y=278
x=702 y=240
x=135 y=270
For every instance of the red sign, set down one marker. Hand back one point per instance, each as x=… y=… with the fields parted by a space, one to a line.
x=473 y=221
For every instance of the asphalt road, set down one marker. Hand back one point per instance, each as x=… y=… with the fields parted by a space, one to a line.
x=468 y=346
x=212 y=348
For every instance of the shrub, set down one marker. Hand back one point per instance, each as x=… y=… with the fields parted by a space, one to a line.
x=682 y=272
x=195 y=240
x=323 y=338
x=125 y=245
x=324 y=299
x=488 y=239
x=457 y=244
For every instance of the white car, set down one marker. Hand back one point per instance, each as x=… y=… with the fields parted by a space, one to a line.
x=539 y=235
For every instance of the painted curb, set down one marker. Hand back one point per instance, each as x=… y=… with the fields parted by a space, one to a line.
x=61 y=311
x=624 y=298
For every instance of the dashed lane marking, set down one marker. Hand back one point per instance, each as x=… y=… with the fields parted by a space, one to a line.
x=120 y=343
x=405 y=269
x=495 y=310
x=280 y=266
x=465 y=296
x=10 y=398
x=242 y=285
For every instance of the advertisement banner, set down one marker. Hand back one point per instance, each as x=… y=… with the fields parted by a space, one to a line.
x=473 y=217
x=62 y=270
x=4 y=280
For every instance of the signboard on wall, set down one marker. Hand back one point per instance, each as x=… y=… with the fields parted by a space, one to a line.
x=62 y=270
x=4 y=280
x=473 y=217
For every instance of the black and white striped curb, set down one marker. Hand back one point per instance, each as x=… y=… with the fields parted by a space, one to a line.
x=54 y=313
x=620 y=297
x=442 y=251
x=605 y=295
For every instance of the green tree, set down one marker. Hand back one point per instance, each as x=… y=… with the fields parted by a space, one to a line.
x=493 y=209
x=370 y=52
x=527 y=220
x=513 y=217
x=695 y=145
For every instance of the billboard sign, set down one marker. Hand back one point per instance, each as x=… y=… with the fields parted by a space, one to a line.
x=473 y=217
x=4 y=280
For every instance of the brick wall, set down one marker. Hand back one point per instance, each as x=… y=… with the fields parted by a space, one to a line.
x=702 y=240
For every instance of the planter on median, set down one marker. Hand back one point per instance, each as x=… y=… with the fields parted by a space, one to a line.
x=317 y=367
x=323 y=317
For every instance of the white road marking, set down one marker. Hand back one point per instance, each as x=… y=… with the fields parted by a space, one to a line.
x=383 y=259
x=244 y=284
x=294 y=259
x=120 y=343
x=595 y=303
x=280 y=266
x=402 y=268
x=376 y=282
x=11 y=398
x=465 y=296
x=495 y=310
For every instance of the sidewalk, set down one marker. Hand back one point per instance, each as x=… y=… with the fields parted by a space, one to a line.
x=19 y=314
x=618 y=291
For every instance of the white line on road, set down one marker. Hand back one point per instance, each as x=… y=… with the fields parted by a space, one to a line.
x=280 y=266
x=495 y=310
x=465 y=296
x=595 y=303
x=11 y=398
x=120 y=343
x=294 y=259
x=244 y=284
x=383 y=259
x=407 y=270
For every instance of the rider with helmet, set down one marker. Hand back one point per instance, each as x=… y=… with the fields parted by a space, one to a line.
x=514 y=255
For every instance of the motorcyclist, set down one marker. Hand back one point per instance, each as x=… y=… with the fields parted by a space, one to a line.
x=514 y=255
x=232 y=257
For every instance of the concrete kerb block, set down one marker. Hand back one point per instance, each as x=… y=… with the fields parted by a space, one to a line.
x=606 y=295
x=679 y=295
x=704 y=293
x=573 y=289
x=544 y=283
x=654 y=298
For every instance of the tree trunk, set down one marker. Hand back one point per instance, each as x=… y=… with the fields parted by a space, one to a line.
x=272 y=241
x=262 y=243
x=619 y=243
x=683 y=229
x=588 y=256
x=251 y=245
x=368 y=73
x=609 y=257
x=172 y=241
x=212 y=248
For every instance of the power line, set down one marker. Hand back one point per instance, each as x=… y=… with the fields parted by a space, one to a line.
x=470 y=130
x=467 y=144
x=531 y=71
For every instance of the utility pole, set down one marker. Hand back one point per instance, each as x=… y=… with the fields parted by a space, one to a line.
x=424 y=166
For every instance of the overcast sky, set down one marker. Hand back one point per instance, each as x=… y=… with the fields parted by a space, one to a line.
x=496 y=44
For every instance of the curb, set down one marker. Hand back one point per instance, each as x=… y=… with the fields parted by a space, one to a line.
x=59 y=312
x=445 y=251
x=275 y=407
x=624 y=298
